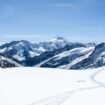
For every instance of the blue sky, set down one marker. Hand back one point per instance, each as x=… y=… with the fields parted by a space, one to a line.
x=40 y=20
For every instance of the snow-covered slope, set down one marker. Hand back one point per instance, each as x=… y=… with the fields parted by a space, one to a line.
x=68 y=58
x=6 y=62
x=43 y=86
x=96 y=59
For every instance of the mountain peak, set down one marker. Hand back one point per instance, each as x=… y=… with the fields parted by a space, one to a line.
x=59 y=38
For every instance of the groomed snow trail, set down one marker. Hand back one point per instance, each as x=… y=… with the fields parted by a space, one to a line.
x=61 y=98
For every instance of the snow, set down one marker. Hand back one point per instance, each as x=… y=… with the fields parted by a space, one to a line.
x=33 y=54
x=59 y=41
x=44 y=86
x=34 y=49
x=103 y=54
x=17 y=56
x=86 y=51
x=80 y=50
x=88 y=97
x=11 y=61
x=2 y=50
x=41 y=49
x=77 y=60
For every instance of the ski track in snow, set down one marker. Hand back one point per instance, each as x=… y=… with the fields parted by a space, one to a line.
x=61 y=98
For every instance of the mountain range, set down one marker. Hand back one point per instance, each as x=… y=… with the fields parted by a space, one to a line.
x=57 y=53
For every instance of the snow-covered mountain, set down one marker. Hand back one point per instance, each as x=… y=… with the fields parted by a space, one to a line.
x=49 y=54
x=23 y=50
x=96 y=59
x=68 y=58
x=6 y=62
x=57 y=53
x=20 y=49
x=77 y=58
